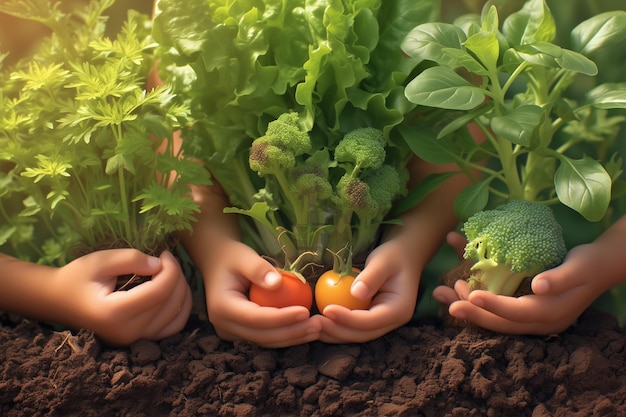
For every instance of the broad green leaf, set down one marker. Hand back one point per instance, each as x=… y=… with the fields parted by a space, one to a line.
x=259 y=211
x=583 y=185
x=543 y=54
x=599 y=31
x=534 y=22
x=424 y=144
x=472 y=199
x=519 y=125
x=464 y=59
x=428 y=40
x=490 y=22
x=443 y=88
x=485 y=46
x=573 y=61
x=463 y=120
x=608 y=96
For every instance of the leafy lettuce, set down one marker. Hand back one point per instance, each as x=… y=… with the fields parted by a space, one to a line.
x=243 y=63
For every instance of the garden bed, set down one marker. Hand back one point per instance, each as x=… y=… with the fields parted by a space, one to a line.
x=421 y=369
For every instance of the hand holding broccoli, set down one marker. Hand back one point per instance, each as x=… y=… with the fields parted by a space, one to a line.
x=559 y=296
x=514 y=241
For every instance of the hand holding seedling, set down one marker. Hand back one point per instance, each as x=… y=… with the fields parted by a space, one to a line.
x=559 y=296
x=81 y=294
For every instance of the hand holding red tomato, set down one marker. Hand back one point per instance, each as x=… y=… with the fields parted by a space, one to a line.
x=293 y=290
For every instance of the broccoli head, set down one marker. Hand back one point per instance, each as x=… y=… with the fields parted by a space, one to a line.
x=364 y=148
x=282 y=143
x=514 y=241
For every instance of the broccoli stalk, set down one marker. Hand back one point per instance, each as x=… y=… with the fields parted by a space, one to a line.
x=514 y=241
x=316 y=200
x=367 y=189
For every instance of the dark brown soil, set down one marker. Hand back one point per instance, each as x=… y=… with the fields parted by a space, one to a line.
x=420 y=369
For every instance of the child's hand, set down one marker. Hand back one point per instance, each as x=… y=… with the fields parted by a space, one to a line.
x=390 y=274
x=560 y=296
x=235 y=317
x=152 y=310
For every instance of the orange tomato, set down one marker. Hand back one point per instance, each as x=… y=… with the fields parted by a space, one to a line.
x=291 y=291
x=332 y=288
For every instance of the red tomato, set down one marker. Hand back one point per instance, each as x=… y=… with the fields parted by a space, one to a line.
x=291 y=291
x=331 y=288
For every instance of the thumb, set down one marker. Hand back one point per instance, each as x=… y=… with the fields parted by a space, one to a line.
x=258 y=270
x=556 y=280
x=115 y=262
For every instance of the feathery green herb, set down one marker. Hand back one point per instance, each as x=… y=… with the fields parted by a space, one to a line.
x=79 y=134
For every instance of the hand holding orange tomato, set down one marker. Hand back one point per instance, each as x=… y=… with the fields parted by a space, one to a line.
x=334 y=288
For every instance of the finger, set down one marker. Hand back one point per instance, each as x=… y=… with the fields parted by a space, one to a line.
x=152 y=293
x=465 y=310
x=338 y=332
x=173 y=312
x=180 y=318
x=529 y=308
x=558 y=280
x=362 y=325
x=462 y=289
x=369 y=281
x=445 y=295
x=294 y=334
x=457 y=241
x=123 y=261
x=238 y=310
x=258 y=270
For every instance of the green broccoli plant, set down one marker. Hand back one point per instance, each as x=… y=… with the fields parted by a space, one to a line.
x=79 y=134
x=515 y=84
x=316 y=201
x=510 y=243
x=246 y=65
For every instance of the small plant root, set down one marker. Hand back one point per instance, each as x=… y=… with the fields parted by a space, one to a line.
x=69 y=340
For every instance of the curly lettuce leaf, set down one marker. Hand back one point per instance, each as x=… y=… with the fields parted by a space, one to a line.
x=338 y=63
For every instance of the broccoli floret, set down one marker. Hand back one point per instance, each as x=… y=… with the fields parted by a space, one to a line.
x=282 y=143
x=514 y=241
x=343 y=193
x=368 y=187
x=364 y=148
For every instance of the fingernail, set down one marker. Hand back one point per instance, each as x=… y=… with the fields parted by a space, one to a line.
x=478 y=302
x=301 y=316
x=272 y=279
x=540 y=286
x=460 y=316
x=359 y=290
x=153 y=262
x=457 y=314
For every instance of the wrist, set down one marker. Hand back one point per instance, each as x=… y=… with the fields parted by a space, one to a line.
x=28 y=289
